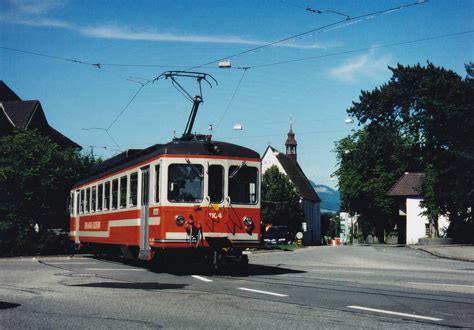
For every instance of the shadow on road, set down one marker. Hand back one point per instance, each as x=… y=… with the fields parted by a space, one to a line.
x=187 y=268
x=6 y=305
x=228 y=270
x=271 y=270
x=127 y=285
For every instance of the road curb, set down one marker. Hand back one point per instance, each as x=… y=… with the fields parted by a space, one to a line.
x=440 y=255
x=34 y=258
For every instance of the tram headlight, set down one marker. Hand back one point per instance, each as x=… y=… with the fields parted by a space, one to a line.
x=248 y=222
x=179 y=220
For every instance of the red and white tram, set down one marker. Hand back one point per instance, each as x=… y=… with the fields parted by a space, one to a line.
x=198 y=194
x=192 y=194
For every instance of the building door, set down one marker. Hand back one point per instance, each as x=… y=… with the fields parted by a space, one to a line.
x=402 y=229
x=145 y=200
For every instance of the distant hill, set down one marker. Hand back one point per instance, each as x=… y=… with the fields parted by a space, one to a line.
x=329 y=197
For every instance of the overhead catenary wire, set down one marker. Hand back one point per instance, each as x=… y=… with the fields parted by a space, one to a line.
x=128 y=104
x=97 y=65
x=321 y=28
x=291 y=60
x=231 y=99
x=361 y=49
x=315 y=11
x=312 y=58
x=324 y=28
x=106 y=132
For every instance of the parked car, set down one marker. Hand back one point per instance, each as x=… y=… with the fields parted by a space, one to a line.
x=276 y=235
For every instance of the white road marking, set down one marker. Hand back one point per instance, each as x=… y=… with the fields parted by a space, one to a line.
x=69 y=263
x=201 y=278
x=121 y=269
x=442 y=284
x=394 y=313
x=264 y=292
x=343 y=271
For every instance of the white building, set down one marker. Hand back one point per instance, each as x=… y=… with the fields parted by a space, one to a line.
x=348 y=227
x=413 y=225
x=288 y=165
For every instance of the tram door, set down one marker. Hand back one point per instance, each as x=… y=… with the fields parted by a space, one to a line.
x=76 y=204
x=145 y=200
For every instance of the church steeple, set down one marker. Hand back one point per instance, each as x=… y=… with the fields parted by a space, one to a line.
x=291 y=144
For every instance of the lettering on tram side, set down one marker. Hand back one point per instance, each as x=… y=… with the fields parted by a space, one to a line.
x=92 y=225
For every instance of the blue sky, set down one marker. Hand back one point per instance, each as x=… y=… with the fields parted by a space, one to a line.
x=181 y=34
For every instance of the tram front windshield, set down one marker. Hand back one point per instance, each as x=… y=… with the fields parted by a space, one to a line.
x=185 y=183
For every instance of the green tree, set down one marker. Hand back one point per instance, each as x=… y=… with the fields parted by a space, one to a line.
x=280 y=200
x=370 y=161
x=35 y=178
x=334 y=228
x=325 y=222
x=431 y=110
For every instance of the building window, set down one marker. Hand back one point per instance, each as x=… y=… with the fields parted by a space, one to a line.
x=100 y=196
x=93 y=198
x=243 y=181
x=106 y=195
x=216 y=183
x=123 y=192
x=114 y=194
x=133 y=189
x=427 y=229
x=185 y=183
x=157 y=183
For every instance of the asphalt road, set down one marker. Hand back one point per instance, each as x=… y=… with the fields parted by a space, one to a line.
x=318 y=287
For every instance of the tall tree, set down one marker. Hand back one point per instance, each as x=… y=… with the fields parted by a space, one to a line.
x=280 y=200
x=370 y=161
x=35 y=178
x=431 y=108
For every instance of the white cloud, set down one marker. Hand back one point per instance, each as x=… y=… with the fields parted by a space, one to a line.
x=141 y=34
x=34 y=7
x=361 y=67
x=123 y=33
x=42 y=22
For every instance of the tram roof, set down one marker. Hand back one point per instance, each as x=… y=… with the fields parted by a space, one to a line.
x=132 y=157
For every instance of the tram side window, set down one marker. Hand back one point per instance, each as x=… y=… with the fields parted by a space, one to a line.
x=123 y=192
x=243 y=184
x=71 y=203
x=87 y=200
x=114 y=194
x=157 y=183
x=216 y=183
x=185 y=183
x=133 y=188
x=106 y=195
x=100 y=196
x=93 y=198
x=82 y=201
x=76 y=202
